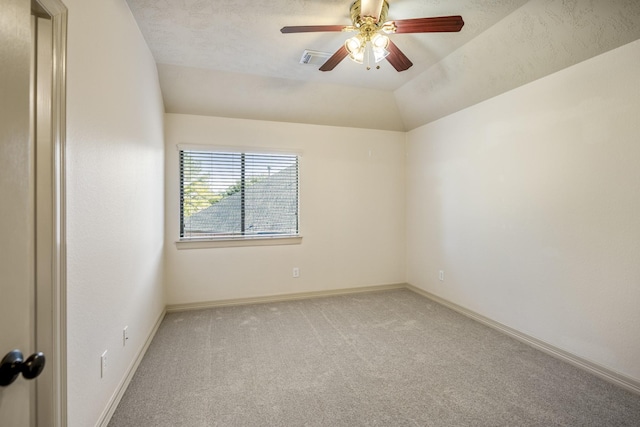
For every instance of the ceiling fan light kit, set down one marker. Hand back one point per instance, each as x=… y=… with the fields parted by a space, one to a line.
x=371 y=44
x=362 y=50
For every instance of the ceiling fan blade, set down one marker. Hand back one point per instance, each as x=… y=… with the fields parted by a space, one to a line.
x=440 y=24
x=371 y=8
x=398 y=59
x=312 y=29
x=335 y=59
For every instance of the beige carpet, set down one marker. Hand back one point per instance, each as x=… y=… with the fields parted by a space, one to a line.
x=389 y=358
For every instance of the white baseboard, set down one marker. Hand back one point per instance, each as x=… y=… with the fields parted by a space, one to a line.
x=577 y=361
x=104 y=419
x=282 y=297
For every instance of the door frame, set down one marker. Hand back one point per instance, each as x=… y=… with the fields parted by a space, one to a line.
x=51 y=298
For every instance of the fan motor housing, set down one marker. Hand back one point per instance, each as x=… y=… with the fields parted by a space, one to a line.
x=359 y=21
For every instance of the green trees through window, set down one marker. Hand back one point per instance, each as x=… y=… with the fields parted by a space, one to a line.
x=235 y=194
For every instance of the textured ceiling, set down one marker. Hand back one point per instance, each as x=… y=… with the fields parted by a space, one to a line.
x=228 y=58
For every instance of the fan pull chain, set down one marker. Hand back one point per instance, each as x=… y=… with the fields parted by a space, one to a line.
x=368 y=54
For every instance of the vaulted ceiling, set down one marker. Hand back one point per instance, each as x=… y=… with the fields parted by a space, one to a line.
x=228 y=58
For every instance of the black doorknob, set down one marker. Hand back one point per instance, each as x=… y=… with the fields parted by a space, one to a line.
x=13 y=364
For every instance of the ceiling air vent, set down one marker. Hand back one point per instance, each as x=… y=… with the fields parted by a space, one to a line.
x=314 y=57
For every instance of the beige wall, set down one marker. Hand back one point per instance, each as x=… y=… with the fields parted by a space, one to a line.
x=351 y=213
x=115 y=195
x=530 y=203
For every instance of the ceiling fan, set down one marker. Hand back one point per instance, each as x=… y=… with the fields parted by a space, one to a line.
x=369 y=19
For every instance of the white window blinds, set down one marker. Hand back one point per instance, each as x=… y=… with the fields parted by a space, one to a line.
x=237 y=194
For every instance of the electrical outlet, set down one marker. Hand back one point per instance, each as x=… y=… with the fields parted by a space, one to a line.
x=441 y=275
x=103 y=364
x=296 y=272
x=125 y=336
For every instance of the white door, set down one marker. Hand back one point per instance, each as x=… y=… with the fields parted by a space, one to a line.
x=17 y=403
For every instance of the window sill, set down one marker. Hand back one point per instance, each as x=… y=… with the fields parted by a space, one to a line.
x=239 y=242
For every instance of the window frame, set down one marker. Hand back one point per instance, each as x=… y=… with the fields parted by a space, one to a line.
x=238 y=240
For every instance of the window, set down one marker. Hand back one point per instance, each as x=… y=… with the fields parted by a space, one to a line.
x=235 y=195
